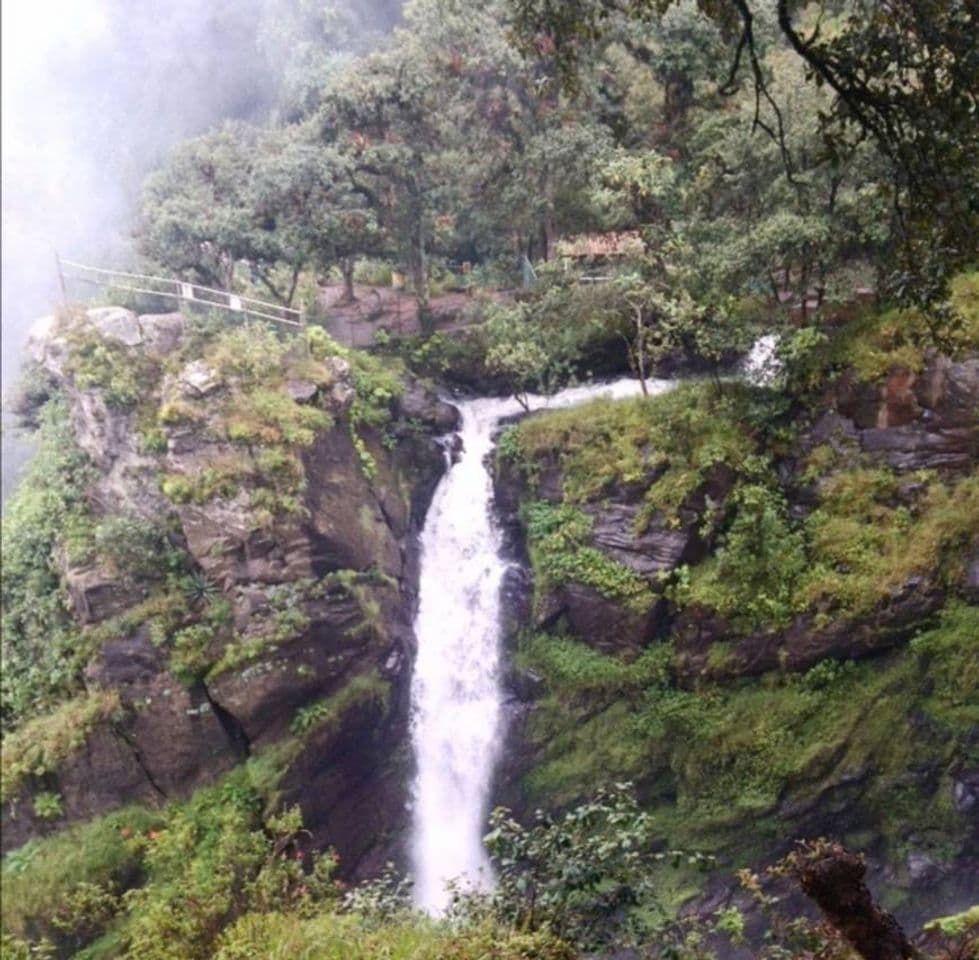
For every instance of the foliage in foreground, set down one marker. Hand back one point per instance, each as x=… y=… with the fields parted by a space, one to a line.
x=216 y=878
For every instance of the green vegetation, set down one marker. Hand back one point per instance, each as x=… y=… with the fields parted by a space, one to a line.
x=869 y=534
x=661 y=197
x=738 y=756
x=865 y=543
x=42 y=649
x=41 y=744
x=327 y=715
x=877 y=342
x=671 y=444
x=45 y=881
x=556 y=538
x=123 y=374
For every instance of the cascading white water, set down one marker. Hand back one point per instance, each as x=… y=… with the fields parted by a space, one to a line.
x=455 y=692
x=763 y=365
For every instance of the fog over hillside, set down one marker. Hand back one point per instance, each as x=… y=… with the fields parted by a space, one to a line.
x=94 y=94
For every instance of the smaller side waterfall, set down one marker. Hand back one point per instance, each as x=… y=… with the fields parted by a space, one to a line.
x=762 y=365
x=456 y=693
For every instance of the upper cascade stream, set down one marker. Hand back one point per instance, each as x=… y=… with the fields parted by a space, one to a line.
x=456 y=690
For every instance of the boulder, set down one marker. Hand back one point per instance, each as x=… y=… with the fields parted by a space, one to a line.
x=97 y=592
x=970 y=583
x=924 y=870
x=116 y=323
x=198 y=379
x=302 y=391
x=423 y=405
x=805 y=641
x=264 y=695
x=658 y=547
x=916 y=447
x=162 y=332
x=602 y=623
x=965 y=792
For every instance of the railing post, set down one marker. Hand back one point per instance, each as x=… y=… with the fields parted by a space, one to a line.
x=61 y=278
x=304 y=329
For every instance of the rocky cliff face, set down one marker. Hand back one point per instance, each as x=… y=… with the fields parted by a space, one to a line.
x=646 y=572
x=289 y=488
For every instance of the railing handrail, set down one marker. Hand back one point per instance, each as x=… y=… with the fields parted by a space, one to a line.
x=186 y=290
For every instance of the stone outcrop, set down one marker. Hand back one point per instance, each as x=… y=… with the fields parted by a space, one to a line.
x=916 y=421
x=319 y=598
x=909 y=423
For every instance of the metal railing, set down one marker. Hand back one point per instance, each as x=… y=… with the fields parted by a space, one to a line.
x=178 y=290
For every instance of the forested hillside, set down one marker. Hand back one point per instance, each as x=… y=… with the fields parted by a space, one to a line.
x=740 y=619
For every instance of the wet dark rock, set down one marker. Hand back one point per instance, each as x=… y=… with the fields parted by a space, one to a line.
x=838 y=431
x=350 y=782
x=424 y=405
x=98 y=592
x=924 y=870
x=601 y=622
x=516 y=601
x=965 y=792
x=126 y=662
x=658 y=547
x=914 y=447
x=806 y=641
x=264 y=694
x=970 y=583
x=916 y=421
x=167 y=739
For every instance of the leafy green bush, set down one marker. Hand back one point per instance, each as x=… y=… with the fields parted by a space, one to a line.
x=125 y=375
x=65 y=887
x=269 y=415
x=191 y=654
x=42 y=650
x=47 y=805
x=752 y=576
x=576 y=673
x=862 y=544
x=670 y=443
x=556 y=538
x=574 y=873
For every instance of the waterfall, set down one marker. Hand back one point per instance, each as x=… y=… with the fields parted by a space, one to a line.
x=763 y=365
x=456 y=690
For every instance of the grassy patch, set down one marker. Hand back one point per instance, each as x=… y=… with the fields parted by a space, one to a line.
x=874 y=344
x=41 y=744
x=670 y=444
x=719 y=764
x=752 y=575
x=124 y=374
x=328 y=714
x=863 y=543
x=41 y=879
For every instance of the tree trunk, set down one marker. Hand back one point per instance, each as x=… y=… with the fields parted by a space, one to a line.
x=834 y=877
x=347 y=269
x=419 y=278
x=641 y=353
x=292 y=285
x=548 y=234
